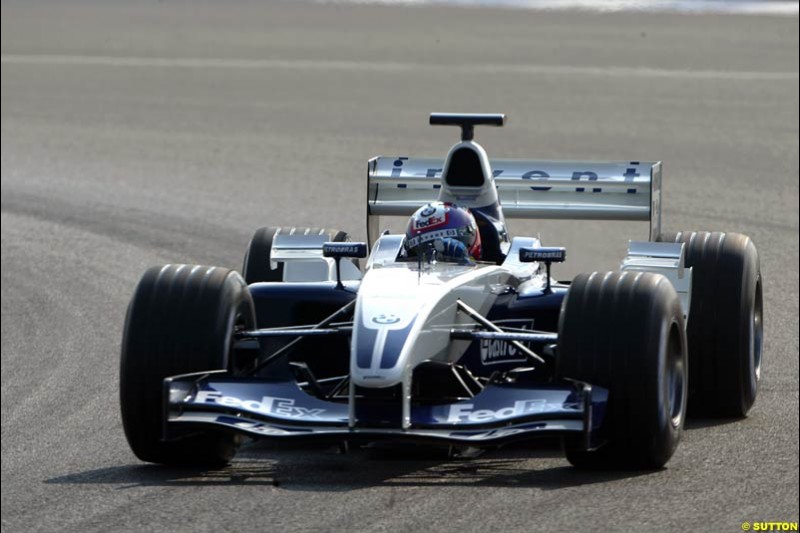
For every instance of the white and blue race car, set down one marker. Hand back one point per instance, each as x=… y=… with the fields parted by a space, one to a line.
x=309 y=344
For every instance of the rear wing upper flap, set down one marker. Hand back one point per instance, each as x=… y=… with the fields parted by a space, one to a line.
x=629 y=190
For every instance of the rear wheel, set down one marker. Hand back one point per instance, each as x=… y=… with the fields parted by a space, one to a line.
x=258 y=265
x=181 y=320
x=726 y=328
x=624 y=331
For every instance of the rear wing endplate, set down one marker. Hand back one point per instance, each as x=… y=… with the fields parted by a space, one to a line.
x=630 y=190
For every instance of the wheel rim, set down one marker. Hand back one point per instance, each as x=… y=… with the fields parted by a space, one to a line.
x=675 y=377
x=756 y=334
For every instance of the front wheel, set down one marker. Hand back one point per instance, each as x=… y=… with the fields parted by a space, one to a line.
x=181 y=319
x=624 y=331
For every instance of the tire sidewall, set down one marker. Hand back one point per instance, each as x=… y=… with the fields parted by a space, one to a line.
x=750 y=284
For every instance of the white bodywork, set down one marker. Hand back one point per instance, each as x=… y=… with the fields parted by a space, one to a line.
x=400 y=303
x=664 y=258
x=468 y=196
x=416 y=310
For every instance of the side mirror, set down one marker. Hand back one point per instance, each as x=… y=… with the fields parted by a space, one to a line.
x=344 y=249
x=337 y=250
x=547 y=256
x=542 y=255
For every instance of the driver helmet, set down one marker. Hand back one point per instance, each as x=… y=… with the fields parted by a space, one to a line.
x=447 y=229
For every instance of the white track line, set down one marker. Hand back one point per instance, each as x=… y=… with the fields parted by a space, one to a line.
x=373 y=66
x=732 y=7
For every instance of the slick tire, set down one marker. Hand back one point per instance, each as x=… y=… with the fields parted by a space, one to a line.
x=725 y=326
x=258 y=266
x=624 y=331
x=181 y=320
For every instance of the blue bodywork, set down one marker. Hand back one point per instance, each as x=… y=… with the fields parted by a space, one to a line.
x=279 y=408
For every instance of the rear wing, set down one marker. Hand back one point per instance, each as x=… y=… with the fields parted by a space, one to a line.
x=630 y=190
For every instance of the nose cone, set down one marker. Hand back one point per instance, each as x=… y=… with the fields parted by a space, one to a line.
x=403 y=317
x=384 y=326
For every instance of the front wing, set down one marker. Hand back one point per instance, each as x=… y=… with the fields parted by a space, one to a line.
x=275 y=408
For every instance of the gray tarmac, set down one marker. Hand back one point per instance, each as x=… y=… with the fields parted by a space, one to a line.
x=141 y=133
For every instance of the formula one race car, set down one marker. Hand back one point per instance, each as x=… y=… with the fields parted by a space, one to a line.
x=454 y=333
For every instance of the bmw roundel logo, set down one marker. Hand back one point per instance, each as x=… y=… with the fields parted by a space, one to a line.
x=428 y=211
x=386 y=319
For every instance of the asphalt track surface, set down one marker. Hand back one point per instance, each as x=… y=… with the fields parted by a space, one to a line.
x=136 y=134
